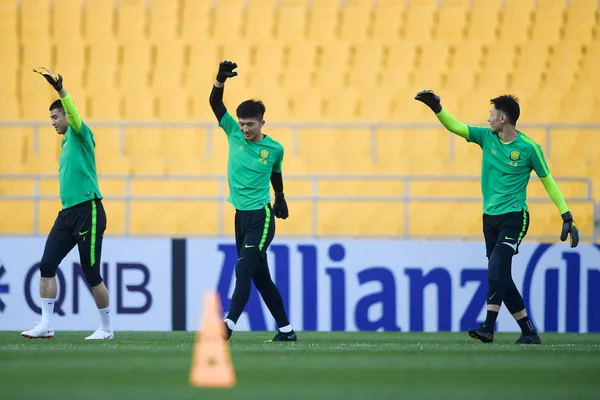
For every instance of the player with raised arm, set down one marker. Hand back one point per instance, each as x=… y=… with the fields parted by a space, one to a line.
x=254 y=160
x=81 y=221
x=509 y=156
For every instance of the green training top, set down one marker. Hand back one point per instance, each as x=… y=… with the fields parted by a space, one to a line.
x=506 y=169
x=77 y=163
x=249 y=166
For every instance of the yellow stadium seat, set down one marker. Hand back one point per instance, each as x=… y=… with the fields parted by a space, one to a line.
x=101 y=66
x=466 y=60
x=341 y=105
x=35 y=20
x=338 y=54
x=483 y=21
x=400 y=63
x=103 y=105
x=375 y=105
x=184 y=166
x=131 y=21
x=10 y=109
x=531 y=64
x=99 y=21
x=450 y=219
x=134 y=70
x=291 y=20
x=324 y=21
x=175 y=106
x=188 y=218
x=141 y=166
x=163 y=22
x=67 y=21
x=36 y=52
x=355 y=20
x=115 y=165
x=109 y=142
x=388 y=19
x=517 y=18
x=138 y=105
x=297 y=224
x=306 y=105
x=196 y=20
x=8 y=16
x=267 y=61
x=16 y=187
x=365 y=218
x=420 y=21
x=202 y=61
x=13 y=144
x=263 y=11
x=229 y=16
x=563 y=65
x=35 y=95
x=412 y=144
x=548 y=21
x=10 y=55
x=143 y=142
x=175 y=187
x=300 y=64
x=432 y=63
x=183 y=142
x=17 y=216
x=365 y=61
x=451 y=20
x=167 y=66
x=115 y=217
x=579 y=106
x=580 y=21
x=567 y=144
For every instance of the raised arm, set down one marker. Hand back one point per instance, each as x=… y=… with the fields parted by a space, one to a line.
x=66 y=100
x=216 y=95
x=432 y=100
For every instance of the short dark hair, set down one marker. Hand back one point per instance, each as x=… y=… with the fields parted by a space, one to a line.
x=509 y=105
x=251 y=109
x=57 y=105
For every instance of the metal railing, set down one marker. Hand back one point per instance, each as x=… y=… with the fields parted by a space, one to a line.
x=212 y=129
x=315 y=198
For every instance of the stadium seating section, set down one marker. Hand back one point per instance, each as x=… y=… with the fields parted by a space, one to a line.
x=341 y=65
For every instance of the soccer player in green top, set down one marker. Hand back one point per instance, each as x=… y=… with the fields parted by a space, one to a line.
x=254 y=160
x=509 y=156
x=81 y=221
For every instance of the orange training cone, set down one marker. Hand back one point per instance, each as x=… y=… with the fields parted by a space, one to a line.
x=211 y=364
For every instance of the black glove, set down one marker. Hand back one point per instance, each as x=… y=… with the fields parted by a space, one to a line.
x=55 y=81
x=569 y=227
x=226 y=71
x=430 y=99
x=280 y=207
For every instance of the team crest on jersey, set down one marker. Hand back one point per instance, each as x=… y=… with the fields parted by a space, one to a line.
x=515 y=155
x=263 y=156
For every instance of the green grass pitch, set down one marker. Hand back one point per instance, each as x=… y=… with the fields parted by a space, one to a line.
x=319 y=366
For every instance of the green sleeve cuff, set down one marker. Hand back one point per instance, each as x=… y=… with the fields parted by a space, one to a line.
x=555 y=193
x=72 y=113
x=452 y=124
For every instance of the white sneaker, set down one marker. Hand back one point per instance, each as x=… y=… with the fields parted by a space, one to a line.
x=101 y=334
x=39 y=332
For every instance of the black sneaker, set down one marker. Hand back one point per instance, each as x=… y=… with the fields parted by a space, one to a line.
x=284 y=337
x=228 y=331
x=481 y=334
x=529 y=339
